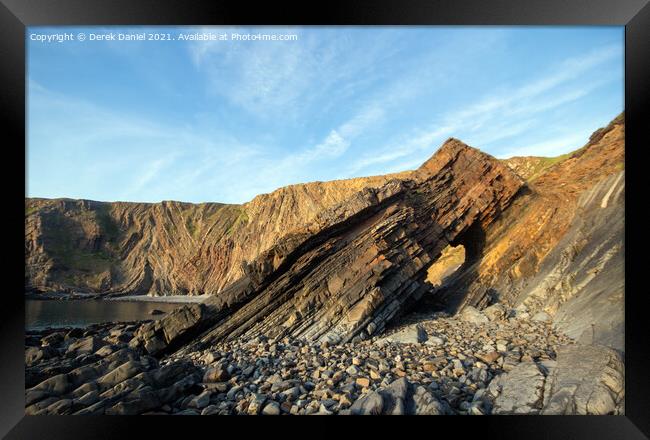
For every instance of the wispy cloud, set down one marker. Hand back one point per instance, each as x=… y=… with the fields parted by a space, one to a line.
x=225 y=121
x=497 y=117
x=133 y=158
x=148 y=174
x=285 y=78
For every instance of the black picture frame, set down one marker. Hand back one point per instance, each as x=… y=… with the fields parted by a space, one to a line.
x=15 y=15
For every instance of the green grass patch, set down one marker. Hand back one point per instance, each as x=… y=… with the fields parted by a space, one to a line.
x=242 y=218
x=547 y=162
x=29 y=210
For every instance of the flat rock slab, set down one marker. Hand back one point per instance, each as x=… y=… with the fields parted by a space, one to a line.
x=471 y=314
x=521 y=390
x=414 y=334
x=585 y=379
x=588 y=379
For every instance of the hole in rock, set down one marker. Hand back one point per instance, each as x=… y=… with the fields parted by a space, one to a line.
x=450 y=260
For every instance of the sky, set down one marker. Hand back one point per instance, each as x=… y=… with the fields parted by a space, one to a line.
x=226 y=119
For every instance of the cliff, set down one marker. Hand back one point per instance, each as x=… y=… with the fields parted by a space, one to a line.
x=559 y=244
x=339 y=260
x=168 y=248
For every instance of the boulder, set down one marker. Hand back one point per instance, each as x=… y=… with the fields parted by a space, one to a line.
x=399 y=398
x=256 y=404
x=495 y=312
x=87 y=345
x=473 y=315
x=33 y=355
x=413 y=334
x=53 y=339
x=272 y=408
x=216 y=374
x=202 y=400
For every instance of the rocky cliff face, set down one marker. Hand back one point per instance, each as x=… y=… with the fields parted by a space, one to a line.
x=559 y=247
x=168 y=248
x=338 y=260
x=354 y=276
x=526 y=256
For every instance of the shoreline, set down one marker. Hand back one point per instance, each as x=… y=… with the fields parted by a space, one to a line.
x=174 y=299
x=171 y=299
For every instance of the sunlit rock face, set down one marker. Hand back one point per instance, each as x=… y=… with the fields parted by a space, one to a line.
x=171 y=248
x=338 y=260
x=559 y=247
x=348 y=280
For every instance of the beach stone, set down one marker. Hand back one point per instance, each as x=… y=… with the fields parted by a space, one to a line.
x=255 y=407
x=216 y=374
x=202 y=400
x=272 y=408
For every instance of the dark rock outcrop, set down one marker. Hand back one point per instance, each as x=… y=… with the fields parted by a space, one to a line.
x=171 y=331
x=354 y=276
x=559 y=247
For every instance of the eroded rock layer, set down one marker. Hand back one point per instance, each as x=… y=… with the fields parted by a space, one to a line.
x=351 y=278
x=559 y=247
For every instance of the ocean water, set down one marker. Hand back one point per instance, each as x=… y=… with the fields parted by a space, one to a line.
x=40 y=314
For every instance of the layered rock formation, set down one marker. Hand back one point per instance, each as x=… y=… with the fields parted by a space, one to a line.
x=335 y=260
x=308 y=282
x=168 y=248
x=559 y=247
x=585 y=379
x=354 y=276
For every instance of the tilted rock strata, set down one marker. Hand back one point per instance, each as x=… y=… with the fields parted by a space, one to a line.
x=581 y=283
x=540 y=234
x=350 y=279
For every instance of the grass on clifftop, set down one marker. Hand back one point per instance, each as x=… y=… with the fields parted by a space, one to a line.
x=547 y=162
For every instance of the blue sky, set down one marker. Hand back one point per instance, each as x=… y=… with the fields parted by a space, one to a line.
x=223 y=121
